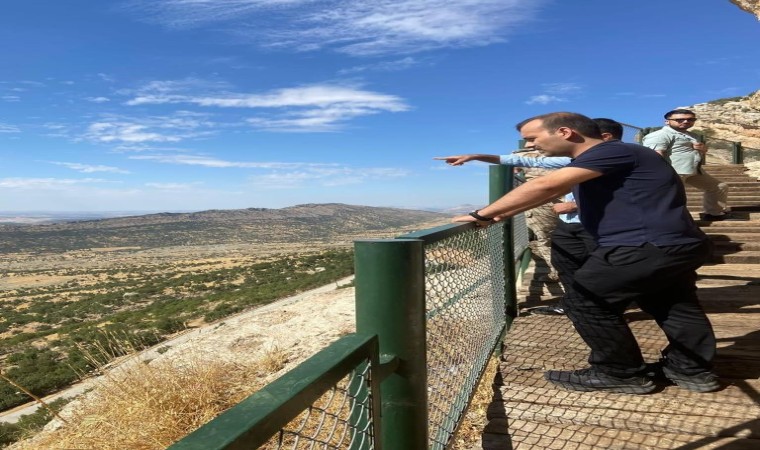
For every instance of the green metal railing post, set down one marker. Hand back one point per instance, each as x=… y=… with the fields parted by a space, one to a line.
x=500 y=179
x=390 y=302
x=737 y=153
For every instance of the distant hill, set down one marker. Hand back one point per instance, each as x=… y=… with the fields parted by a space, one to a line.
x=300 y=223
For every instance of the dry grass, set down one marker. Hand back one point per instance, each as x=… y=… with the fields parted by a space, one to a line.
x=143 y=406
x=273 y=360
x=471 y=430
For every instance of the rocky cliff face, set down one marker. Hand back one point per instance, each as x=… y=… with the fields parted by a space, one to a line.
x=734 y=119
x=752 y=6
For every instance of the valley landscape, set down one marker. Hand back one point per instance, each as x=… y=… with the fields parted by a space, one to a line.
x=70 y=289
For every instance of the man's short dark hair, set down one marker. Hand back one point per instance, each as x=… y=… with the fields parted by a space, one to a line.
x=578 y=122
x=679 y=111
x=610 y=126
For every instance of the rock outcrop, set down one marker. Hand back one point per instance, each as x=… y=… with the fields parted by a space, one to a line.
x=751 y=6
x=734 y=119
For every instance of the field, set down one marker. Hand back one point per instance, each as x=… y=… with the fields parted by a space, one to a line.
x=69 y=289
x=57 y=310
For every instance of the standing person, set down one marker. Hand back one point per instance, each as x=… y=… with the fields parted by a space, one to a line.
x=541 y=220
x=571 y=244
x=685 y=152
x=648 y=251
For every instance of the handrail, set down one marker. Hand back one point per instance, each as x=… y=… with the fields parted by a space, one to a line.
x=439 y=233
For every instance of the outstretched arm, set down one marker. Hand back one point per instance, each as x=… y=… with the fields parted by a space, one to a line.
x=543 y=162
x=458 y=160
x=533 y=193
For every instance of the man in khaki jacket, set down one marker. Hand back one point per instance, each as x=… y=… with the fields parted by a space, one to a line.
x=685 y=152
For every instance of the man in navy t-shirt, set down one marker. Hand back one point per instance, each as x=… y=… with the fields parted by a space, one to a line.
x=634 y=205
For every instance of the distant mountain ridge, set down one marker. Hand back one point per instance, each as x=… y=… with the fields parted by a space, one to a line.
x=307 y=222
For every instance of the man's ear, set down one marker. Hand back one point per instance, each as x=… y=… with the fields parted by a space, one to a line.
x=606 y=136
x=565 y=132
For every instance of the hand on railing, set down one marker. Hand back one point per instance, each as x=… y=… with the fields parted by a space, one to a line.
x=477 y=219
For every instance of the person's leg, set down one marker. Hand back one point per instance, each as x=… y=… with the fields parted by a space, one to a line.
x=715 y=197
x=615 y=358
x=691 y=349
x=676 y=309
x=603 y=287
x=542 y=221
x=571 y=245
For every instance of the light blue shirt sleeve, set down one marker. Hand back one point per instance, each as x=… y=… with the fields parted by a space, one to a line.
x=542 y=162
x=572 y=217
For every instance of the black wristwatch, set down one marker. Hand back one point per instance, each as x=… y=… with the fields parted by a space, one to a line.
x=477 y=216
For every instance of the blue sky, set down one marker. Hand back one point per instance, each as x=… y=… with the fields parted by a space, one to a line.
x=169 y=105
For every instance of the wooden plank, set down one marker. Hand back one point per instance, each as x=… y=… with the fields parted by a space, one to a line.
x=501 y=434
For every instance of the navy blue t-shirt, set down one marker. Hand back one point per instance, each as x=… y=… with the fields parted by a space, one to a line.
x=638 y=199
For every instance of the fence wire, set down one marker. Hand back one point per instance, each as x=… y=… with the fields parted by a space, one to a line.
x=465 y=301
x=341 y=419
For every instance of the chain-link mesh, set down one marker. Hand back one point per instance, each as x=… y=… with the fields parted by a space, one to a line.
x=464 y=284
x=340 y=419
x=520 y=235
x=631 y=133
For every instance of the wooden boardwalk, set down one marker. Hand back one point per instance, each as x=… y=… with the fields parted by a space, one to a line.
x=528 y=412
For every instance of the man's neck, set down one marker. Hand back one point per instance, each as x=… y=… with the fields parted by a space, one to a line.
x=585 y=145
x=686 y=131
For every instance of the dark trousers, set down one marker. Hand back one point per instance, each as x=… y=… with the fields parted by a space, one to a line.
x=662 y=281
x=571 y=247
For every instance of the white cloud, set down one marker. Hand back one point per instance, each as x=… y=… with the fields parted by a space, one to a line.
x=98 y=99
x=106 y=77
x=132 y=130
x=89 y=168
x=313 y=108
x=45 y=183
x=125 y=132
x=555 y=93
x=357 y=27
x=544 y=99
x=206 y=161
x=5 y=128
x=384 y=66
x=286 y=175
x=323 y=176
x=11 y=98
x=172 y=186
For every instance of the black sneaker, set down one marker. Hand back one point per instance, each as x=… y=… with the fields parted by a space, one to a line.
x=700 y=382
x=554 y=310
x=590 y=379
